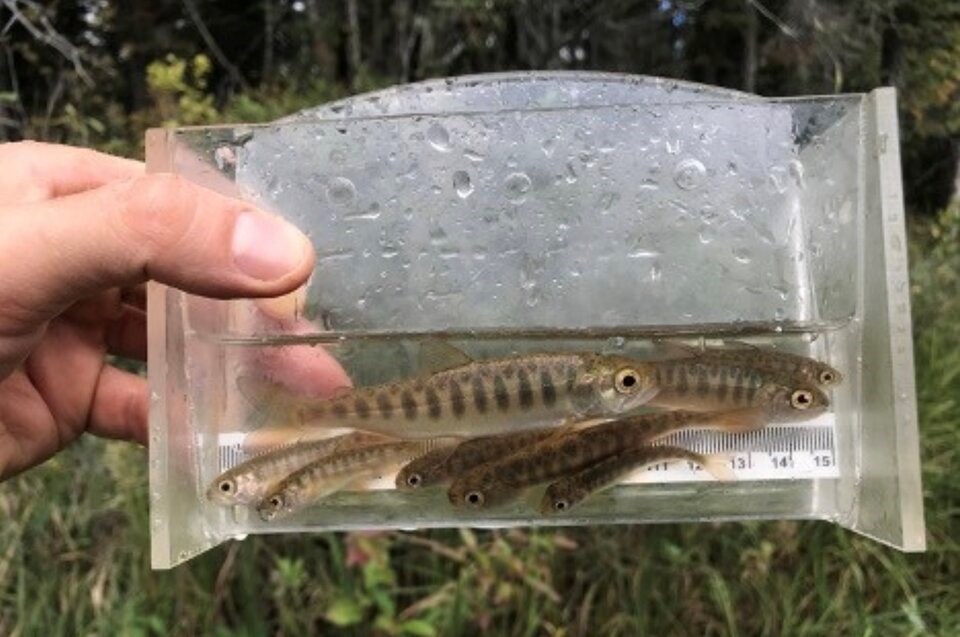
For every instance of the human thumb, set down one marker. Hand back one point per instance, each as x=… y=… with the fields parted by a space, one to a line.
x=158 y=227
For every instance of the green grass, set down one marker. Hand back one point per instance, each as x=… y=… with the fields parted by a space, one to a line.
x=74 y=552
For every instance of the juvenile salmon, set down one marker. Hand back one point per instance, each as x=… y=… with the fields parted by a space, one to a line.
x=328 y=475
x=249 y=481
x=495 y=482
x=799 y=369
x=719 y=385
x=442 y=465
x=566 y=493
x=485 y=397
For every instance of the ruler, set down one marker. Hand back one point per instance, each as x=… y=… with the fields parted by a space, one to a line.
x=802 y=451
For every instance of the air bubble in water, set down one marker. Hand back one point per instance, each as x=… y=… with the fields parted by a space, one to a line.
x=689 y=174
x=462 y=184
x=517 y=185
x=439 y=137
x=341 y=191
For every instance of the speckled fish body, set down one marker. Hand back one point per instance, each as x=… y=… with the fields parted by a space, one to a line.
x=327 y=475
x=250 y=480
x=694 y=384
x=496 y=482
x=488 y=397
x=441 y=465
x=569 y=491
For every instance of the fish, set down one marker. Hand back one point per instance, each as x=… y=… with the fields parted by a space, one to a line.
x=797 y=368
x=477 y=398
x=248 y=481
x=567 y=492
x=441 y=465
x=325 y=476
x=496 y=482
x=720 y=385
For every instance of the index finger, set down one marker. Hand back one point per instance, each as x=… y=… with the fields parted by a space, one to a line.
x=39 y=171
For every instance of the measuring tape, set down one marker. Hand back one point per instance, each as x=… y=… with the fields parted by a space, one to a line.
x=802 y=451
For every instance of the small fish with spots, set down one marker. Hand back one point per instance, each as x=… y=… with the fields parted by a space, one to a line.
x=498 y=481
x=567 y=492
x=325 y=476
x=478 y=397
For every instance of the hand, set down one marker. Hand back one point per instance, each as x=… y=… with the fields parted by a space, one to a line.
x=80 y=232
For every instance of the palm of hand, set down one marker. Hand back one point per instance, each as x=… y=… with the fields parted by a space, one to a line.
x=54 y=383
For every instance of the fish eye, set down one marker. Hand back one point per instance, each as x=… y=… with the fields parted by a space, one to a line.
x=560 y=505
x=801 y=399
x=474 y=498
x=827 y=377
x=226 y=486
x=626 y=381
x=414 y=480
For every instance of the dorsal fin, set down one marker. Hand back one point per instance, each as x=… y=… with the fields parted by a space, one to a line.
x=438 y=356
x=673 y=349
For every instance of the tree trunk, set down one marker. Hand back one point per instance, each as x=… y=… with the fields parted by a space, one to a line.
x=750 y=49
x=353 y=41
x=269 y=28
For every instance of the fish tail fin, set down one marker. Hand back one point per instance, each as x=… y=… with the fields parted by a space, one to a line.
x=718 y=465
x=736 y=421
x=276 y=415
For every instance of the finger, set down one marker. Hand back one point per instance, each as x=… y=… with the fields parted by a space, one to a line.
x=127 y=335
x=119 y=408
x=42 y=171
x=154 y=227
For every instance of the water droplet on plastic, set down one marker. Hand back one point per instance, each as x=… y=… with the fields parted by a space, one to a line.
x=549 y=145
x=462 y=184
x=473 y=155
x=571 y=176
x=341 y=191
x=742 y=255
x=607 y=200
x=437 y=235
x=439 y=137
x=706 y=234
x=338 y=156
x=517 y=185
x=795 y=167
x=656 y=272
x=779 y=314
x=689 y=174
x=777 y=177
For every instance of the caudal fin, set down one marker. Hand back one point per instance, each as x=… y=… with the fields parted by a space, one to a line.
x=719 y=466
x=736 y=421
